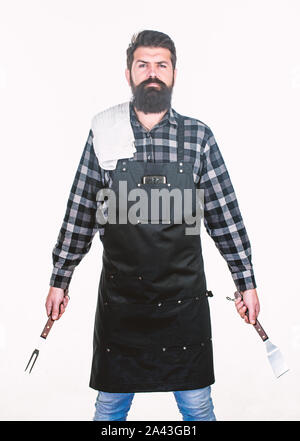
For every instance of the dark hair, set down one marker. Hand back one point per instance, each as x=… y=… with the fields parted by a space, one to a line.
x=150 y=38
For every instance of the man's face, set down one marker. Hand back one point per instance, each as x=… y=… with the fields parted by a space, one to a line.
x=151 y=79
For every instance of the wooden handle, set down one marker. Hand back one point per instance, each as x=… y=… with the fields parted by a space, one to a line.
x=259 y=329
x=257 y=326
x=47 y=328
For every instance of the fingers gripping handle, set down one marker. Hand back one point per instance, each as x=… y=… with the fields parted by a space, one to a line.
x=50 y=322
x=257 y=326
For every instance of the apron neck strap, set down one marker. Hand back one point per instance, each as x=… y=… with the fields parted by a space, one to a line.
x=180 y=138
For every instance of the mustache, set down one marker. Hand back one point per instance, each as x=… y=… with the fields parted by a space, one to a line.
x=152 y=80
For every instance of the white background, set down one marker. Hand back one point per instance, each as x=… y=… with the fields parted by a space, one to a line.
x=63 y=61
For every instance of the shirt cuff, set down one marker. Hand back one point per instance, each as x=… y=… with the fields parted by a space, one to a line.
x=60 y=278
x=244 y=280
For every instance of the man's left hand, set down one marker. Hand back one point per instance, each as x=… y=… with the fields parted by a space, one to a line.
x=249 y=302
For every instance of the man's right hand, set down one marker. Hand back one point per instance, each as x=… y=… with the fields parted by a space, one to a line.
x=56 y=302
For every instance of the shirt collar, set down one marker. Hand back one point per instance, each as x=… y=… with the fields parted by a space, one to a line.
x=169 y=116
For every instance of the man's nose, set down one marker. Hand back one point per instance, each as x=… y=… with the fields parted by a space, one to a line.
x=152 y=72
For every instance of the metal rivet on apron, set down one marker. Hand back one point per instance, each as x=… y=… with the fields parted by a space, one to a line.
x=163 y=349
x=179 y=170
x=111 y=276
x=140 y=277
x=107 y=349
x=124 y=162
x=180 y=163
x=124 y=169
x=197 y=298
x=184 y=347
x=202 y=344
x=159 y=304
x=139 y=185
x=169 y=185
x=179 y=301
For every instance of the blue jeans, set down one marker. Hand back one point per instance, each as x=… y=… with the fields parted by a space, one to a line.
x=194 y=405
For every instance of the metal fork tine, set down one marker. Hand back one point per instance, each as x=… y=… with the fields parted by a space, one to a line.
x=43 y=336
x=35 y=353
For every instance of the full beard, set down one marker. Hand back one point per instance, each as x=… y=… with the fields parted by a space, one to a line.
x=150 y=99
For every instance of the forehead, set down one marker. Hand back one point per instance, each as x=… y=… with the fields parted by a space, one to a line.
x=152 y=54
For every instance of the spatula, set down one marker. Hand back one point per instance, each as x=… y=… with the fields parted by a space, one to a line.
x=274 y=355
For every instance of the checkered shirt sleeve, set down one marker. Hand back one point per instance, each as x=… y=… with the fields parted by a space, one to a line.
x=222 y=217
x=79 y=223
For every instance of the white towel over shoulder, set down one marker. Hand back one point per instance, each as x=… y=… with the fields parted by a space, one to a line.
x=113 y=135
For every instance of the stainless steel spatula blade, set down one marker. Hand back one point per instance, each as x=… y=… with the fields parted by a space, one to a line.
x=276 y=359
x=274 y=355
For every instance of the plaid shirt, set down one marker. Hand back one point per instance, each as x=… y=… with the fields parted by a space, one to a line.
x=222 y=217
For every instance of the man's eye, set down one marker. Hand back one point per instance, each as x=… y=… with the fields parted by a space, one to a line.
x=142 y=65
x=163 y=65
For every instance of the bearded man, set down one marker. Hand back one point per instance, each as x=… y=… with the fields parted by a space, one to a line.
x=152 y=329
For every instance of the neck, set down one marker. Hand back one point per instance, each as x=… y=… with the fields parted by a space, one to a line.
x=149 y=120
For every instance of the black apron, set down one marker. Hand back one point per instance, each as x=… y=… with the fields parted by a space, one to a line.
x=152 y=328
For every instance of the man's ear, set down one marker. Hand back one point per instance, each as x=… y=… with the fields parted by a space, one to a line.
x=127 y=75
x=175 y=75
